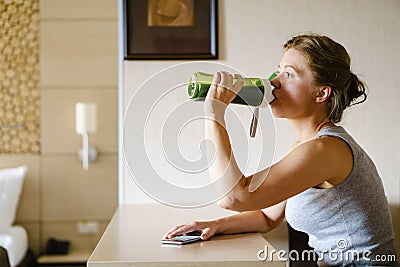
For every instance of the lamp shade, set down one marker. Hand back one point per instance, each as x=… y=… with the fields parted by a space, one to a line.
x=85 y=118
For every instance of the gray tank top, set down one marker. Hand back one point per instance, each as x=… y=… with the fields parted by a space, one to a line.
x=349 y=223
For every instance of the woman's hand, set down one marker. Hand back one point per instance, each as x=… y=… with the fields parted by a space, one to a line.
x=207 y=229
x=222 y=91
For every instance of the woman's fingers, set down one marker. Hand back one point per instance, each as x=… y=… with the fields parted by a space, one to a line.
x=206 y=233
x=223 y=87
x=239 y=83
x=215 y=82
x=172 y=230
x=226 y=80
x=226 y=84
x=182 y=229
x=205 y=228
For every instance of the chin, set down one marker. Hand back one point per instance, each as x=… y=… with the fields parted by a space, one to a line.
x=277 y=114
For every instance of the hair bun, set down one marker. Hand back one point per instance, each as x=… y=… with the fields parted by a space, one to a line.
x=356 y=89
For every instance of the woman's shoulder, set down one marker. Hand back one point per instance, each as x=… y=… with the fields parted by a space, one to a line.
x=324 y=144
x=331 y=153
x=330 y=147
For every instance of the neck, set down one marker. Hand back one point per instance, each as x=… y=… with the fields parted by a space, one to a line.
x=307 y=128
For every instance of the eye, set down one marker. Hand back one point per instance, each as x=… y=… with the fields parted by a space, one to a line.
x=288 y=75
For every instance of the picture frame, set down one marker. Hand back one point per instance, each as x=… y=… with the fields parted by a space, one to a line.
x=170 y=29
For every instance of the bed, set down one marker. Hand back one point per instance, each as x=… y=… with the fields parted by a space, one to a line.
x=14 y=250
x=14 y=242
x=28 y=260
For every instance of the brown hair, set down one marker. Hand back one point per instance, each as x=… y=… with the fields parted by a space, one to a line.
x=330 y=64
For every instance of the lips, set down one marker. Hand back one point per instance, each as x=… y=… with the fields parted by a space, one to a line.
x=273 y=100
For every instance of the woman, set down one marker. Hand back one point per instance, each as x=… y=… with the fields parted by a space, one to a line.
x=326 y=185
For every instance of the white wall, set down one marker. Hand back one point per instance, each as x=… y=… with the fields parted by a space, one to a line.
x=251 y=34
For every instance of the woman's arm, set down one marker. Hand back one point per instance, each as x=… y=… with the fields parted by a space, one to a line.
x=261 y=221
x=250 y=221
x=223 y=167
x=306 y=166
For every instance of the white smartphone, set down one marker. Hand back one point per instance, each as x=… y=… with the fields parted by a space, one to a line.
x=181 y=240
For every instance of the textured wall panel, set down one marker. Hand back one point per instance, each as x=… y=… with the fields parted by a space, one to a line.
x=19 y=76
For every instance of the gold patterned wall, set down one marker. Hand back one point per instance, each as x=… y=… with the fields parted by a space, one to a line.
x=19 y=76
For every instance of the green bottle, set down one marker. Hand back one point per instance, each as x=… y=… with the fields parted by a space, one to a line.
x=251 y=94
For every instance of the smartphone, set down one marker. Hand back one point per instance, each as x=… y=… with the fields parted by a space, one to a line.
x=181 y=240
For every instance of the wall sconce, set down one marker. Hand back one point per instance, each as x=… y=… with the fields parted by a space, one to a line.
x=85 y=124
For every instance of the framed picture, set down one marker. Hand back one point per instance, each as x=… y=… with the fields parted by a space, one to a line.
x=170 y=29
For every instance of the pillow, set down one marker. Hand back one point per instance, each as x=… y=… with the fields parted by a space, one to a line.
x=11 y=181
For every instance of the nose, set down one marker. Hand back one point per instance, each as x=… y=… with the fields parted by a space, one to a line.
x=275 y=82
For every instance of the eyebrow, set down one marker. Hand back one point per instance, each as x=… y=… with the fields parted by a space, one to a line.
x=290 y=66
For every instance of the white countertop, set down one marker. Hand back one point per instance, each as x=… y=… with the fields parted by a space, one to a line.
x=133 y=239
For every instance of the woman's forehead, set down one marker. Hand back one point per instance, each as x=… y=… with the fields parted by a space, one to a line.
x=294 y=59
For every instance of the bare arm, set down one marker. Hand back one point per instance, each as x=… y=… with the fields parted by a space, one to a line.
x=261 y=221
x=306 y=166
x=250 y=221
x=223 y=167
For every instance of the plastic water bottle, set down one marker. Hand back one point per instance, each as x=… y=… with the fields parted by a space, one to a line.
x=251 y=94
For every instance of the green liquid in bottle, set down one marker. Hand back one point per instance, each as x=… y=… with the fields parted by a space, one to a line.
x=251 y=94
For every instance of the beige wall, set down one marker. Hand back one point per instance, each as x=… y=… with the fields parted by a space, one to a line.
x=250 y=37
x=78 y=63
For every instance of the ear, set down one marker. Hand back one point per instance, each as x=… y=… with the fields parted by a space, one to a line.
x=323 y=94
